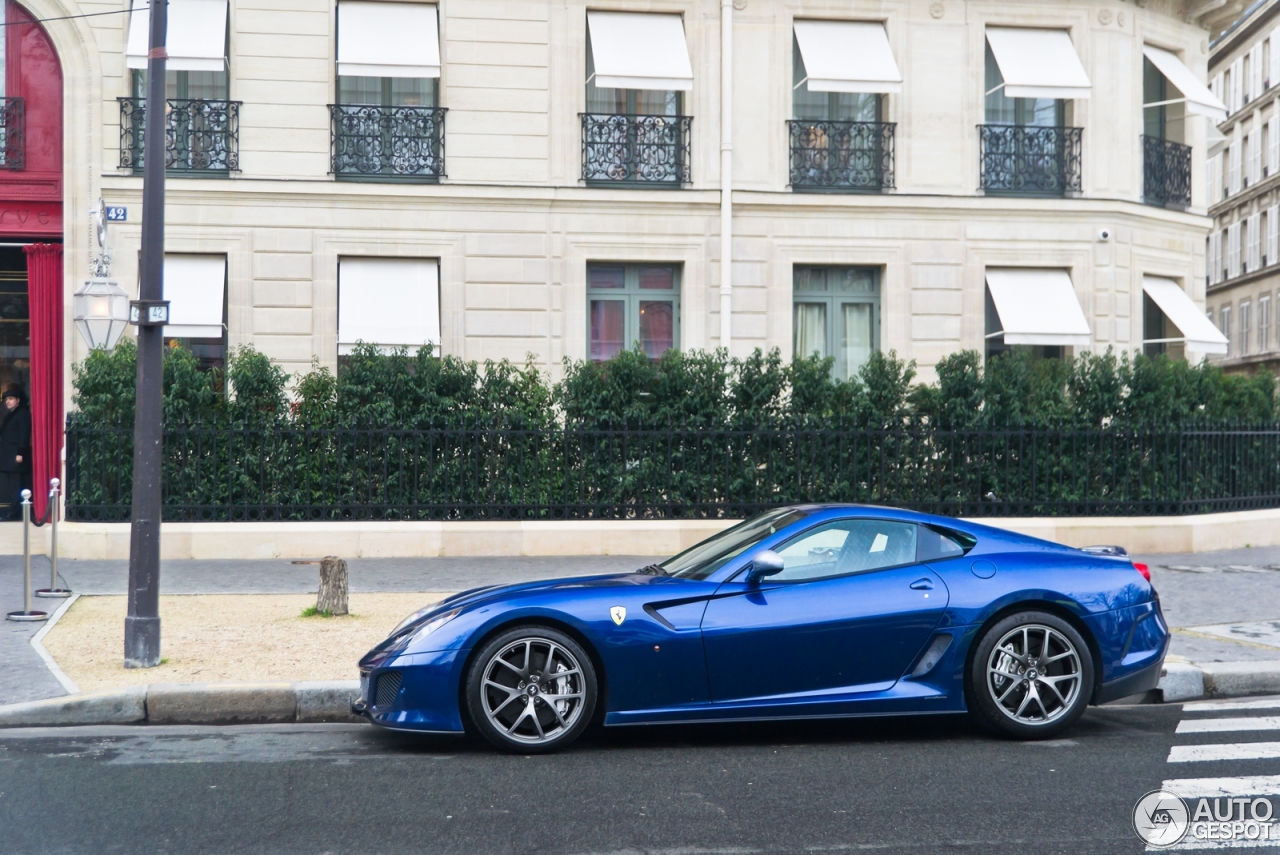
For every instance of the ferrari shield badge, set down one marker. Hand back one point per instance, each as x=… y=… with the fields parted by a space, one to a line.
x=619 y=614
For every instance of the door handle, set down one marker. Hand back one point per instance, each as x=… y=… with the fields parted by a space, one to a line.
x=922 y=585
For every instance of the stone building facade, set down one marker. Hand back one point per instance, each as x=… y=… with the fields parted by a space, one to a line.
x=512 y=177
x=1243 y=286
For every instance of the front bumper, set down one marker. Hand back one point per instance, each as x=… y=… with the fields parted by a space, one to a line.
x=427 y=696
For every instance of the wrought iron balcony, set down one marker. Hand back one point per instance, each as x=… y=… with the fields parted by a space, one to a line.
x=1166 y=173
x=841 y=157
x=202 y=136
x=375 y=143
x=13 y=125
x=636 y=150
x=1027 y=160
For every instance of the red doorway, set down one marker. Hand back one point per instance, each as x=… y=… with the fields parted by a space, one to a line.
x=31 y=352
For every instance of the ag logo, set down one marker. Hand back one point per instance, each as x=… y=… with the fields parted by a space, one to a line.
x=619 y=614
x=1160 y=818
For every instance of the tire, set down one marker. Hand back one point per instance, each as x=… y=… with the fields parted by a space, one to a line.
x=531 y=690
x=1035 y=696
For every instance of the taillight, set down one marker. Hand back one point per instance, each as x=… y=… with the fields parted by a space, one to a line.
x=1143 y=569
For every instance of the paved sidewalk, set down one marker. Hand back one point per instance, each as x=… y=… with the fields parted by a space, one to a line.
x=1224 y=606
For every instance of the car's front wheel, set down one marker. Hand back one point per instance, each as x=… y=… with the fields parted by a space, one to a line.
x=531 y=690
x=1031 y=676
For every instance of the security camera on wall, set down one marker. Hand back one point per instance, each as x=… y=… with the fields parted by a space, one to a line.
x=1104 y=234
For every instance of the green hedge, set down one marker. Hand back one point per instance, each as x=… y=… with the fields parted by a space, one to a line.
x=703 y=389
x=404 y=436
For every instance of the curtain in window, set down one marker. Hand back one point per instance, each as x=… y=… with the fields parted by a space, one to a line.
x=657 y=327
x=608 y=320
x=857 y=340
x=810 y=329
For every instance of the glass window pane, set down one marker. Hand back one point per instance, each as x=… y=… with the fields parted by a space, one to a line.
x=855 y=280
x=810 y=329
x=657 y=278
x=205 y=85
x=606 y=277
x=359 y=90
x=657 y=327
x=847 y=546
x=857 y=338
x=608 y=319
x=412 y=92
x=810 y=279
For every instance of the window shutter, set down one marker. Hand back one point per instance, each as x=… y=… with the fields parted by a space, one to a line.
x=1233 y=167
x=1273 y=145
x=1273 y=234
x=1237 y=85
x=1273 y=73
x=1215 y=178
x=1233 y=250
x=1253 y=229
x=1255 y=71
x=1255 y=154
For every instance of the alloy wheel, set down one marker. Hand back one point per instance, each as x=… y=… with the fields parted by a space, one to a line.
x=533 y=690
x=1034 y=674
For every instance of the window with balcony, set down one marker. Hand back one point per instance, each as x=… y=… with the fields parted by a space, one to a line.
x=12 y=122
x=836 y=313
x=1027 y=147
x=202 y=124
x=634 y=131
x=386 y=124
x=841 y=71
x=1166 y=161
x=629 y=304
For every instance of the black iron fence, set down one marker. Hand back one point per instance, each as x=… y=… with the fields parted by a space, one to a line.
x=1166 y=173
x=201 y=135
x=477 y=472
x=1025 y=160
x=841 y=156
x=402 y=143
x=643 y=150
x=13 y=140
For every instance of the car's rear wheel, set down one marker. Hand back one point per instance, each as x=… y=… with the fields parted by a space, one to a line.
x=531 y=690
x=1031 y=676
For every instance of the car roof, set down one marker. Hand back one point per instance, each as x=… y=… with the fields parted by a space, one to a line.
x=981 y=532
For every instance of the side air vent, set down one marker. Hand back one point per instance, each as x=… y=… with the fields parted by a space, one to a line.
x=388 y=688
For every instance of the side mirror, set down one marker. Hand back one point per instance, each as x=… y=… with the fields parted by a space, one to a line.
x=767 y=563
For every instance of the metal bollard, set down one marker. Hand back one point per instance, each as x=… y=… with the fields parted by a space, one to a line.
x=53 y=590
x=26 y=614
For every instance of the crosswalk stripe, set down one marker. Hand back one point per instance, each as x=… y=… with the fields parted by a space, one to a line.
x=1215 y=725
x=1228 y=751
x=1216 y=706
x=1248 y=785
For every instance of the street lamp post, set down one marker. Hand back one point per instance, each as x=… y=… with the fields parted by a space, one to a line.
x=142 y=623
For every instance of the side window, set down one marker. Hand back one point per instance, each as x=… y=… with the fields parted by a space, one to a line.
x=846 y=546
x=937 y=544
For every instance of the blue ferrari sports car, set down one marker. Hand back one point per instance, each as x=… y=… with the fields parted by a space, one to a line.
x=801 y=612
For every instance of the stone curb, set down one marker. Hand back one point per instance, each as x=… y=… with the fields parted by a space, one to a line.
x=1188 y=681
x=193 y=703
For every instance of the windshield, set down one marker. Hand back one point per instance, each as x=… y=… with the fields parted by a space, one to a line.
x=710 y=555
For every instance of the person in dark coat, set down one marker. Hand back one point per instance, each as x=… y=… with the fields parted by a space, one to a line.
x=15 y=449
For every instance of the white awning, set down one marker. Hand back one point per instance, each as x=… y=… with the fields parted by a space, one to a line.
x=388 y=39
x=390 y=302
x=195 y=286
x=1038 y=306
x=1198 y=97
x=195 y=35
x=1198 y=332
x=1038 y=63
x=637 y=50
x=847 y=56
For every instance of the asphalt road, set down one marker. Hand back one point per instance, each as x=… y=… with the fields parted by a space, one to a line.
x=921 y=785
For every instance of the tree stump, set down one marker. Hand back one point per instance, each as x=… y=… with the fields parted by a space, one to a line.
x=332 y=598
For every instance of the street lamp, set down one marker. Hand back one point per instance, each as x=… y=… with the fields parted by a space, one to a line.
x=101 y=312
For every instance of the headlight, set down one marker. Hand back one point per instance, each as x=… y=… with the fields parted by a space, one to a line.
x=430 y=626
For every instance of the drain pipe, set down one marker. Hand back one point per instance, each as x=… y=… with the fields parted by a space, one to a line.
x=726 y=172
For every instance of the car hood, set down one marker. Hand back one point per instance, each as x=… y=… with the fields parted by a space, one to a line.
x=474 y=597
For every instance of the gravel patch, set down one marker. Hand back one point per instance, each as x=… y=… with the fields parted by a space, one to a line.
x=227 y=638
